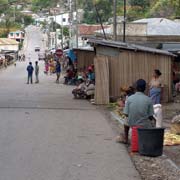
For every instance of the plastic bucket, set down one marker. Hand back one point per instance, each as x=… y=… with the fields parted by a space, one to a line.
x=151 y=141
x=134 y=139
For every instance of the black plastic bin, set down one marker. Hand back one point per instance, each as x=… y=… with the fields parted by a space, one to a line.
x=151 y=141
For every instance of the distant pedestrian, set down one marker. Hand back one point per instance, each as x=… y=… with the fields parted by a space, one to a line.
x=23 y=57
x=58 y=71
x=30 y=70
x=37 y=72
x=46 y=67
x=19 y=57
x=5 y=62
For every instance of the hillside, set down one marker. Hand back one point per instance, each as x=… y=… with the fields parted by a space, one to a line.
x=135 y=8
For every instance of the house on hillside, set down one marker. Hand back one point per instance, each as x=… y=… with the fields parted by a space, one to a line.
x=7 y=44
x=152 y=32
x=17 y=35
x=86 y=31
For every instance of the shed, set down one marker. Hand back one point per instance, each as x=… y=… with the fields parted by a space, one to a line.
x=8 y=44
x=120 y=64
x=85 y=57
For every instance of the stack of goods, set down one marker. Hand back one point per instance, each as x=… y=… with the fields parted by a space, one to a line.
x=173 y=137
x=126 y=91
x=175 y=126
x=119 y=109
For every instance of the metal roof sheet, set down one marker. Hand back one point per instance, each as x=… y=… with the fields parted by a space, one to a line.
x=7 y=41
x=161 y=26
x=127 y=46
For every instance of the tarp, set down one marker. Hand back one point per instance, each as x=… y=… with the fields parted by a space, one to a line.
x=72 y=55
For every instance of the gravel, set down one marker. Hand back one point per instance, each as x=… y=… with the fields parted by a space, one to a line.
x=159 y=168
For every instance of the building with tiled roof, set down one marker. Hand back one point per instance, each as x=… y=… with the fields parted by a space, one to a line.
x=88 y=30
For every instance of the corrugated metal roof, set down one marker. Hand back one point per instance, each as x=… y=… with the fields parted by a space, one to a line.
x=19 y=31
x=7 y=41
x=84 y=49
x=127 y=46
x=161 y=26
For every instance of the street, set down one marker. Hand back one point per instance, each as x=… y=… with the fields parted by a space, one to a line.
x=47 y=135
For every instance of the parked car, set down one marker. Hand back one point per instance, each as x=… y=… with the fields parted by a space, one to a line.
x=37 y=49
x=41 y=56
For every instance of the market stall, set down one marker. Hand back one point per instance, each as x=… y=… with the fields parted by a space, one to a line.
x=127 y=63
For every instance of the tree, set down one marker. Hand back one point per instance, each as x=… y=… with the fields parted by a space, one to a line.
x=144 y=4
x=44 y=3
x=165 y=8
x=104 y=8
x=137 y=9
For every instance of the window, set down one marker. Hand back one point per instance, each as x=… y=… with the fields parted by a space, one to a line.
x=17 y=34
x=64 y=19
x=11 y=34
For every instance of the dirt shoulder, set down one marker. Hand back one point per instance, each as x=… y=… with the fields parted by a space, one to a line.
x=169 y=111
x=166 y=167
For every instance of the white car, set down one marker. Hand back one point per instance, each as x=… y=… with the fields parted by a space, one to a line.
x=41 y=56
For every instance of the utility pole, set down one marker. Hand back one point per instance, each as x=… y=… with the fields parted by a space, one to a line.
x=115 y=20
x=55 y=29
x=124 y=23
x=62 y=33
x=70 y=23
x=77 y=33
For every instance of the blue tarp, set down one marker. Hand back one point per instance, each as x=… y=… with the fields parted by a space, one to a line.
x=72 y=55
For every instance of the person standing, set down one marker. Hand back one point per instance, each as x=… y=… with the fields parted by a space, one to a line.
x=30 y=70
x=156 y=87
x=37 y=72
x=58 y=71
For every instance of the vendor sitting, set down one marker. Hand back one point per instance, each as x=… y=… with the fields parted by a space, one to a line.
x=90 y=90
x=78 y=92
x=71 y=77
x=91 y=74
x=138 y=109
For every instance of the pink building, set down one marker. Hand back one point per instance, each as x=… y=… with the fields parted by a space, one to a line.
x=18 y=36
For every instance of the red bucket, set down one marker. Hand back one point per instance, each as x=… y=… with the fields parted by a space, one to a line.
x=134 y=139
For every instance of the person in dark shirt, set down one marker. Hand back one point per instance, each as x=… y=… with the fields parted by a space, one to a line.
x=30 y=70
x=58 y=71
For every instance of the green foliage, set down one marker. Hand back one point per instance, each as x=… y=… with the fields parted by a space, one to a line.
x=140 y=3
x=13 y=19
x=165 y=8
x=44 y=3
x=137 y=9
x=20 y=45
x=65 y=31
x=7 y=26
x=104 y=8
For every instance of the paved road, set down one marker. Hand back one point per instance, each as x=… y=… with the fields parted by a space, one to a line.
x=46 y=135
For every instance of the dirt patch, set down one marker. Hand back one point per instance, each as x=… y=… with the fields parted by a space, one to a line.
x=159 y=168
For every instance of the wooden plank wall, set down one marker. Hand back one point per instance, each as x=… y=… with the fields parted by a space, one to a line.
x=102 y=80
x=130 y=66
x=85 y=58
